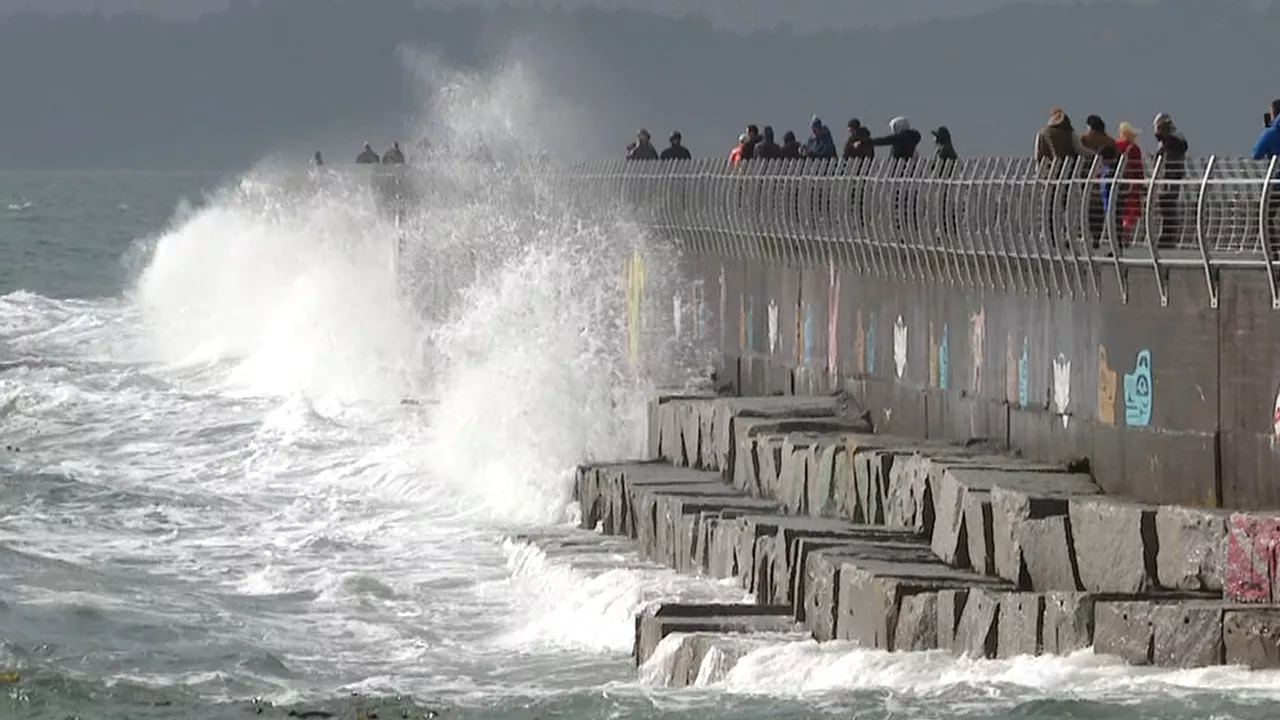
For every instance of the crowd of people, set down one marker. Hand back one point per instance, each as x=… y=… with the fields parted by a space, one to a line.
x=368 y=156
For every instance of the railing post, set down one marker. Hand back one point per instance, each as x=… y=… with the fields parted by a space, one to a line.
x=1149 y=212
x=1115 y=193
x=1210 y=284
x=1264 y=201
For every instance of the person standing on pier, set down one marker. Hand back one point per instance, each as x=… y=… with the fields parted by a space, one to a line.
x=675 y=150
x=1095 y=136
x=642 y=148
x=1173 y=169
x=854 y=147
x=1132 y=175
x=820 y=145
x=768 y=149
x=1267 y=145
x=367 y=156
x=790 y=149
x=902 y=139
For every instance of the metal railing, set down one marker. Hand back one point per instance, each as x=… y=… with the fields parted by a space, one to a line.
x=1002 y=223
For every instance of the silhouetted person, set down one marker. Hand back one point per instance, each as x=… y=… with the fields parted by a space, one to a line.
x=393 y=156
x=944 y=149
x=1095 y=137
x=317 y=160
x=753 y=139
x=735 y=154
x=820 y=145
x=675 y=151
x=768 y=149
x=368 y=156
x=1172 y=150
x=902 y=139
x=790 y=146
x=642 y=148
x=1267 y=145
x=854 y=148
x=1058 y=140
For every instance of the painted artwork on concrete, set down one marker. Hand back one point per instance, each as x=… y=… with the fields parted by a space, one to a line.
x=933 y=356
x=977 y=342
x=806 y=335
x=871 y=343
x=1024 y=377
x=1139 y=392
x=1275 y=420
x=900 y=347
x=1010 y=371
x=1107 y=382
x=1062 y=386
x=773 y=327
x=944 y=357
x=860 y=345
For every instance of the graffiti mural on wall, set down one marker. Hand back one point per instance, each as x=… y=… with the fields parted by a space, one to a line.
x=1061 y=386
x=677 y=315
x=871 y=343
x=833 y=325
x=1275 y=421
x=944 y=357
x=1107 y=381
x=1138 y=392
x=933 y=356
x=1010 y=371
x=900 y=347
x=860 y=345
x=773 y=327
x=806 y=336
x=977 y=342
x=1024 y=379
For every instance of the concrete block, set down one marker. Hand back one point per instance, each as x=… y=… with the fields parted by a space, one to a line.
x=1048 y=563
x=979 y=535
x=657 y=621
x=785 y=533
x=909 y=502
x=1187 y=634
x=1251 y=637
x=871 y=593
x=728 y=411
x=657 y=507
x=976 y=635
x=1020 y=497
x=1192 y=544
x=704 y=658
x=1115 y=544
x=690 y=430
x=793 y=478
x=842 y=495
x=1125 y=630
x=1019 y=624
x=950 y=606
x=770 y=459
x=917 y=629
x=1068 y=622
x=820 y=498
x=820 y=590
x=1250 y=575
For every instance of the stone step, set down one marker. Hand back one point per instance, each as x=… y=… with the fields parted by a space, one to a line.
x=702 y=658
x=657 y=621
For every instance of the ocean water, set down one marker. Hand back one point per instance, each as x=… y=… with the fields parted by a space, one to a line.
x=264 y=449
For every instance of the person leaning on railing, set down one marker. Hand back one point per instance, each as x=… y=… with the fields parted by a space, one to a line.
x=676 y=150
x=1172 y=152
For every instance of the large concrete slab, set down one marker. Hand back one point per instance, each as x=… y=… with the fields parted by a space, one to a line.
x=658 y=621
x=821 y=593
x=1252 y=558
x=977 y=633
x=871 y=593
x=1068 y=622
x=1115 y=544
x=1018 y=500
x=703 y=658
x=917 y=628
x=1251 y=637
x=950 y=605
x=726 y=411
x=1192 y=547
x=1019 y=624
x=1165 y=633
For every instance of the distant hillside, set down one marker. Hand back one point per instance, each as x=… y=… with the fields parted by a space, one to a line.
x=290 y=75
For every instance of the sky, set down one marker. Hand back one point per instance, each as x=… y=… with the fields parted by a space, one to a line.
x=737 y=15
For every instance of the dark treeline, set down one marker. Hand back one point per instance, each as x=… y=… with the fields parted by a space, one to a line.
x=130 y=90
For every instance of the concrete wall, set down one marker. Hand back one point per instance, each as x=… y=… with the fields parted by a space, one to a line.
x=1167 y=380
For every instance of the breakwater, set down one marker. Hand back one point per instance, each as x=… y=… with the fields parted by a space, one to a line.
x=990 y=299
x=904 y=544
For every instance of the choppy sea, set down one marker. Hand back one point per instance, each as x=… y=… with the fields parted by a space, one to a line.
x=247 y=469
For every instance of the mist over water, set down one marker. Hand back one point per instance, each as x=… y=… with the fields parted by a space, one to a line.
x=220 y=493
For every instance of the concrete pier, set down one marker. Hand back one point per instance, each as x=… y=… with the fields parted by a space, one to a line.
x=905 y=545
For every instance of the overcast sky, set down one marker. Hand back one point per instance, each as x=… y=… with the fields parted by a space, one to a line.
x=805 y=15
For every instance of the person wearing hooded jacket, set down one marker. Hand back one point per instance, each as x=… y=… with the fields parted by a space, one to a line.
x=768 y=149
x=676 y=150
x=820 y=145
x=944 y=149
x=1172 y=150
x=790 y=148
x=901 y=140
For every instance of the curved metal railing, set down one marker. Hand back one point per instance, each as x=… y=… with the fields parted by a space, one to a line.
x=1003 y=223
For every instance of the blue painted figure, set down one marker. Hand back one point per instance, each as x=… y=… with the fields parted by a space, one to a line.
x=1024 y=389
x=944 y=356
x=1138 y=392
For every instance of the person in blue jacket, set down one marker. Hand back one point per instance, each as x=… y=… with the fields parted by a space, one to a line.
x=1268 y=143
x=820 y=144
